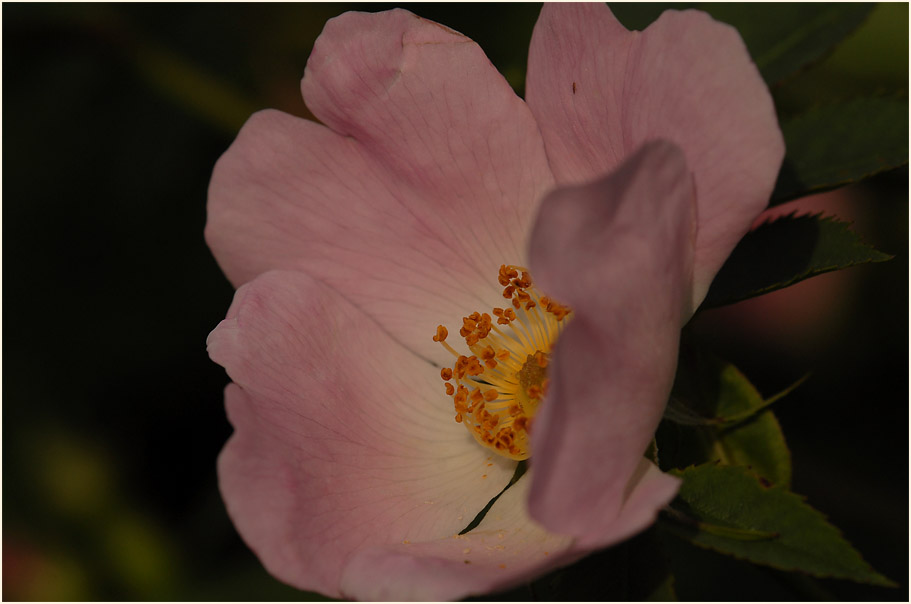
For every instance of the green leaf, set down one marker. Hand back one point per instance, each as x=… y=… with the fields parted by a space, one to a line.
x=711 y=387
x=677 y=411
x=842 y=143
x=785 y=251
x=797 y=537
x=785 y=38
x=716 y=414
x=735 y=533
x=757 y=444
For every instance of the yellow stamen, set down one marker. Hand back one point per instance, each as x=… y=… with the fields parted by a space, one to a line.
x=499 y=386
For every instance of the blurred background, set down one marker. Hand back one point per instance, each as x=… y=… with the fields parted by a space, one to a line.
x=113 y=116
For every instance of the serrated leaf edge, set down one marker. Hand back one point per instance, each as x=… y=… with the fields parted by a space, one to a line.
x=886 y=581
x=881 y=257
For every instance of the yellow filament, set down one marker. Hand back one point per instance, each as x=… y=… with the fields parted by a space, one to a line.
x=499 y=386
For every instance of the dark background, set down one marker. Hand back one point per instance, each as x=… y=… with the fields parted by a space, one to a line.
x=113 y=116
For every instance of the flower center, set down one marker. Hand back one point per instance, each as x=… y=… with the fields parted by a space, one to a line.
x=498 y=387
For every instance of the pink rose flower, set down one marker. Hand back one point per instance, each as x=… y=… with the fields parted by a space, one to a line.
x=634 y=167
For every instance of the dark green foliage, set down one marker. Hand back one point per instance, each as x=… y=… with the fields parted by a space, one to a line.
x=794 y=35
x=842 y=143
x=787 y=250
x=716 y=414
x=732 y=511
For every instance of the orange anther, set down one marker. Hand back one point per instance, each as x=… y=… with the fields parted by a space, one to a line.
x=506 y=273
x=461 y=396
x=501 y=316
x=493 y=360
x=555 y=308
x=484 y=326
x=460 y=365
x=521 y=284
x=473 y=367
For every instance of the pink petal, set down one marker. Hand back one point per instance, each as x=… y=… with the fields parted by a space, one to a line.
x=343 y=439
x=648 y=491
x=619 y=252
x=506 y=549
x=421 y=186
x=600 y=91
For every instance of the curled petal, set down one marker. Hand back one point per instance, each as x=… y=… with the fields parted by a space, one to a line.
x=619 y=251
x=600 y=91
x=421 y=183
x=338 y=444
x=427 y=105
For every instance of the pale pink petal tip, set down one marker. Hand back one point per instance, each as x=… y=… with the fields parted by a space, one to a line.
x=419 y=183
x=600 y=91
